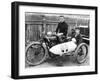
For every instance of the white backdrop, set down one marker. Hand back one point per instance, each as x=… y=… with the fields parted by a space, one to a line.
x=5 y=39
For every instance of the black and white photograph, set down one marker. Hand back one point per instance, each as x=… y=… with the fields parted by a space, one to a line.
x=56 y=39
x=53 y=40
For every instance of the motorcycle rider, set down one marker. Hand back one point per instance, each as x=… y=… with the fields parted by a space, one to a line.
x=62 y=26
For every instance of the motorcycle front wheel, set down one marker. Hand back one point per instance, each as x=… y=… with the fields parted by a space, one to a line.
x=36 y=53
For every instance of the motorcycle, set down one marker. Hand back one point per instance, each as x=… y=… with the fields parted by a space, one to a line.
x=53 y=44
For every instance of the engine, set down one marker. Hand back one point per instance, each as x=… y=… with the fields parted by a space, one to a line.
x=53 y=39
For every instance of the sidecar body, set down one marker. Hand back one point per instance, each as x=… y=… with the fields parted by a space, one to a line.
x=63 y=48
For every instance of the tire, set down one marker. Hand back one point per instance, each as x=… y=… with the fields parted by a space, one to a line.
x=81 y=53
x=33 y=57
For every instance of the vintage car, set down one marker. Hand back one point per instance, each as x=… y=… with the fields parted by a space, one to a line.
x=85 y=33
x=53 y=44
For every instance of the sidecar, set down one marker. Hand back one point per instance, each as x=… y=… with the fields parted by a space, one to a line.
x=37 y=53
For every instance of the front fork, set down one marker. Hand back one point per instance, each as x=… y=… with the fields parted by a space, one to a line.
x=46 y=49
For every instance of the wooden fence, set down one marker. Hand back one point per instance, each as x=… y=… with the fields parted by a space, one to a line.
x=34 y=29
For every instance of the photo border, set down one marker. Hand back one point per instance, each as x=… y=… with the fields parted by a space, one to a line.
x=15 y=39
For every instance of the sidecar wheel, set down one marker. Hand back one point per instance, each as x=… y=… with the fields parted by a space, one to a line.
x=36 y=53
x=81 y=53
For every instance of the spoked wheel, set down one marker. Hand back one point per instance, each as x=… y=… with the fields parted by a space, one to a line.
x=35 y=53
x=81 y=53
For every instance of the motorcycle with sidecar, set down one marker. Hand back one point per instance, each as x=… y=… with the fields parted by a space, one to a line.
x=37 y=52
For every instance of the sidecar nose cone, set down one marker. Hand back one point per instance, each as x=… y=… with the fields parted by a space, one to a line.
x=56 y=50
